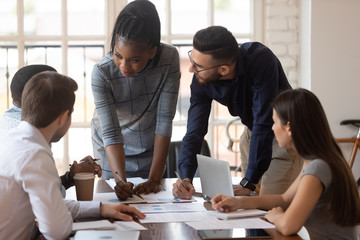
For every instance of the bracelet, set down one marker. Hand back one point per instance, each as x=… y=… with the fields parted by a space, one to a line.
x=186 y=180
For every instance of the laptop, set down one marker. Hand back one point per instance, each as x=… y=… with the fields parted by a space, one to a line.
x=215 y=177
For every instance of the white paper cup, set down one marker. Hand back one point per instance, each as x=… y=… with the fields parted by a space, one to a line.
x=84 y=185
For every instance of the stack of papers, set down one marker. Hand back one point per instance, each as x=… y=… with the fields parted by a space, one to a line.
x=95 y=225
x=173 y=212
x=170 y=207
x=240 y=213
x=107 y=225
x=230 y=224
x=160 y=197
x=110 y=234
x=177 y=217
x=162 y=207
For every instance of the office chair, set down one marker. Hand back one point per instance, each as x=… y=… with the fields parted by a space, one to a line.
x=173 y=157
x=355 y=140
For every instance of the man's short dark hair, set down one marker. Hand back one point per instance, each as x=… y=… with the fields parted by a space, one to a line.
x=21 y=77
x=218 y=42
x=46 y=96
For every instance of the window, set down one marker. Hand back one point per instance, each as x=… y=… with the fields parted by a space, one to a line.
x=67 y=35
x=73 y=35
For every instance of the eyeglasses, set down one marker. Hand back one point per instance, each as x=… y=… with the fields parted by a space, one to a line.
x=195 y=66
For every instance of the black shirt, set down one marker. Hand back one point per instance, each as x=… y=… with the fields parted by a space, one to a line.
x=259 y=79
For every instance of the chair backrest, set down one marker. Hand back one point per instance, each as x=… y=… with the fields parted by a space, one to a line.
x=173 y=157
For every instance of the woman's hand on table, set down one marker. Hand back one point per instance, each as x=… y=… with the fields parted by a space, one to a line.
x=224 y=203
x=123 y=190
x=147 y=187
x=120 y=211
x=273 y=214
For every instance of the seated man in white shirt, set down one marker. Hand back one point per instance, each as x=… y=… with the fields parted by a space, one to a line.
x=12 y=118
x=29 y=181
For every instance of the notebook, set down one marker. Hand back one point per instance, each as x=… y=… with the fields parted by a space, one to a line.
x=215 y=177
x=109 y=234
x=240 y=213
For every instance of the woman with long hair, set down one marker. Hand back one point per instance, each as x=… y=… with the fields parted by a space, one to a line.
x=324 y=198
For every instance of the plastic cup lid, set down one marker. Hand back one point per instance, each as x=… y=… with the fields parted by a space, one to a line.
x=83 y=176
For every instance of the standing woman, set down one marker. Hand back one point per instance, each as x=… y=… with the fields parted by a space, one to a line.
x=135 y=89
x=324 y=198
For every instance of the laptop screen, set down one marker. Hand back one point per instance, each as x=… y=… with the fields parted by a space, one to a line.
x=215 y=177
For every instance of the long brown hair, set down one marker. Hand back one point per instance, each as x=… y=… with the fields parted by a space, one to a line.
x=313 y=139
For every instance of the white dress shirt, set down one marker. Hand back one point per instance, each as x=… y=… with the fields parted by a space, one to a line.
x=30 y=187
x=11 y=119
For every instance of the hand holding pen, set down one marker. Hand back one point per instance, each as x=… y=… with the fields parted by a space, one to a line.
x=182 y=189
x=123 y=190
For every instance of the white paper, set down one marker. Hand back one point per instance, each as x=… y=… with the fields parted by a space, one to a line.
x=128 y=226
x=163 y=197
x=135 y=180
x=177 y=217
x=170 y=207
x=111 y=198
x=101 y=224
x=160 y=197
x=239 y=213
x=111 y=182
x=109 y=234
x=230 y=224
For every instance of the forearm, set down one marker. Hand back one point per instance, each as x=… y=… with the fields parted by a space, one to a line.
x=161 y=148
x=265 y=202
x=116 y=158
x=285 y=226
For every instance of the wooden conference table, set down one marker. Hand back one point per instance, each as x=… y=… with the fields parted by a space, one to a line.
x=177 y=230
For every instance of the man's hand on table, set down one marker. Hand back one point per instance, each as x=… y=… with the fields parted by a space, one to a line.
x=183 y=189
x=241 y=191
x=147 y=187
x=120 y=211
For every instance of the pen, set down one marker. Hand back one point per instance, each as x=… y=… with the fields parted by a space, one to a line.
x=138 y=195
x=178 y=176
x=117 y=174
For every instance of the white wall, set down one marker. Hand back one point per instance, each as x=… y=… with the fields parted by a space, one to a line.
x=281 y=34
x=332 y=62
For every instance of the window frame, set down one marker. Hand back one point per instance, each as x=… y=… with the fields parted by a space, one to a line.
x=112 y=8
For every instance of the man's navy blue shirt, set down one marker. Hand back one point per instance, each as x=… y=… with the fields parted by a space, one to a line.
x=259 y=79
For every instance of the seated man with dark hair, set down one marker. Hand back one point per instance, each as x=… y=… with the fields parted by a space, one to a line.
x=12 y=118
x=29 y=182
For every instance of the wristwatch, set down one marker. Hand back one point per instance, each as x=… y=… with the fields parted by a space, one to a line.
x=246 y=184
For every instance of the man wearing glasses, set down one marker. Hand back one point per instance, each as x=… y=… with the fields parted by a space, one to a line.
x=246 y=79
